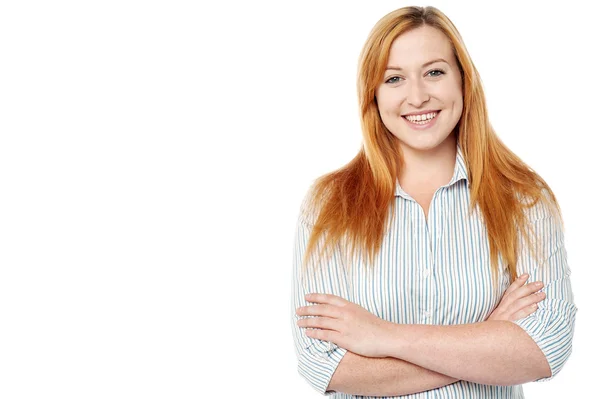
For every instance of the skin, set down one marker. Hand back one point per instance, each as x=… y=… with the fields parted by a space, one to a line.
x=493 y=352
x=430 y=154
x=390 y=359
x=358 y=374
x=353 y=327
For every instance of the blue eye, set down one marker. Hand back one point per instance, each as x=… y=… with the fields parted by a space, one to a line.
x=433 y=70
x=437 y=70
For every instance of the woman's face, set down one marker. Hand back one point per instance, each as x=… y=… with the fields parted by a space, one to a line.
x=412 y=84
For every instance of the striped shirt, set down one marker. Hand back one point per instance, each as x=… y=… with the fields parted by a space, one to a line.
x=437 y=271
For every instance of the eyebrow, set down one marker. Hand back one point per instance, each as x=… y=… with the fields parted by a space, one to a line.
x=424 y=65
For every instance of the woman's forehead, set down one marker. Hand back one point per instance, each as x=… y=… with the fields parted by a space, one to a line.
x=419 y=46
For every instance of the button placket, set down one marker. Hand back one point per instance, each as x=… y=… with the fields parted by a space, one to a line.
x=434 y=241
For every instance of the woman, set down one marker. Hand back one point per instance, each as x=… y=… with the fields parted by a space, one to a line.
x=406 y=259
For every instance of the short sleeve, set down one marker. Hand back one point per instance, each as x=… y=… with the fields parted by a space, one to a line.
x=552 y=325
x=317 y=360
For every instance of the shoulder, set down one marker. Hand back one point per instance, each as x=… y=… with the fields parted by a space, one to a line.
x=544 y=207
x=310 y=205
x=543 y=218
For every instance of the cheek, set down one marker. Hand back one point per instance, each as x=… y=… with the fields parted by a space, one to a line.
x=449 y=92
x=456 y=90
x=388 y=105
x=458 y=101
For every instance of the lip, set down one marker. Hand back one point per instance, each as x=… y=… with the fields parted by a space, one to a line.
x=425 y=126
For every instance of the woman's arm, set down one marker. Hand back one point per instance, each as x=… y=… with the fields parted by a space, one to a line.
x=336 y=369
x=494 y=352
x=360 y=375
x=490 y=352
x=329 y=369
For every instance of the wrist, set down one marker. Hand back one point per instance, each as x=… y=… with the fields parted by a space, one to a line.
x=393 y=341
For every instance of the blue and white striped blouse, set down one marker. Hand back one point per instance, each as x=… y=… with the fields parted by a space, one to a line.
x=437 y=271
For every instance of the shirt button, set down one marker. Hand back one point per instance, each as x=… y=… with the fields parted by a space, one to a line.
x=426 y=272
x=330 y=347
x=427 y=313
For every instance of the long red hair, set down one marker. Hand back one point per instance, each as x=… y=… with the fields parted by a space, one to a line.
x=353 y=205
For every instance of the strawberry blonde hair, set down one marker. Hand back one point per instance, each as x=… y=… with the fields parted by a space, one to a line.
x=354 y=204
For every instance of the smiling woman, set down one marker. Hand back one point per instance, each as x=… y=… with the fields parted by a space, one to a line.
x=425 y=232
x=436 y=85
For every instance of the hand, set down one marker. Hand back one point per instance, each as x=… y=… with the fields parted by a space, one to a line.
x=518 y=301
x=346 y=324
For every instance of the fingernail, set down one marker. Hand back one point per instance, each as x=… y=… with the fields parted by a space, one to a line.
x=524 y=276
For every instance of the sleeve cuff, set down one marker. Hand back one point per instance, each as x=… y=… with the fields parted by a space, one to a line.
x=551 y=327
x=318 y=362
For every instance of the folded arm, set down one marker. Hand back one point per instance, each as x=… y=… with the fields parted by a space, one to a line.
x=330 y=369
x=490 y=352
x=360 y=375
x=534 y=348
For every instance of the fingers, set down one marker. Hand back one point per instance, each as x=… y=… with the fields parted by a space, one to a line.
x=524 y=312
x=518 y=289
x=326 y=298
x=528 y=301
x=523 y=298
x=528 y=289
x=517 y=283
x=323 y=323
x=519 y=300
x=318 y=310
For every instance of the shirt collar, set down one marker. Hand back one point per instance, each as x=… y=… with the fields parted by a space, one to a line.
x=460 y=173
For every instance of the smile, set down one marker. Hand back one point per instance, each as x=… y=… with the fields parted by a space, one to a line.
x=422 y=121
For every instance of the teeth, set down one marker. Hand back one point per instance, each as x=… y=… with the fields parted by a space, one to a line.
x=424 y=117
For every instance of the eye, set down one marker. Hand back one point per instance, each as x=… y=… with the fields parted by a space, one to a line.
x=437 y=70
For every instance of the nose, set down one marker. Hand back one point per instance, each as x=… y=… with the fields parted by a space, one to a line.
x=417 y=93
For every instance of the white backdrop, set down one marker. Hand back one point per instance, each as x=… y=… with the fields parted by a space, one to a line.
x=153 y=156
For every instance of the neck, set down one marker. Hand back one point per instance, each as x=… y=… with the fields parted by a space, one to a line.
x=428 y=170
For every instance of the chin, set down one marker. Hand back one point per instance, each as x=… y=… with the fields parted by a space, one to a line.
x=422 y=145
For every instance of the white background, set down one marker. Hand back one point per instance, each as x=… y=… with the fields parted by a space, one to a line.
x=153 y=156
